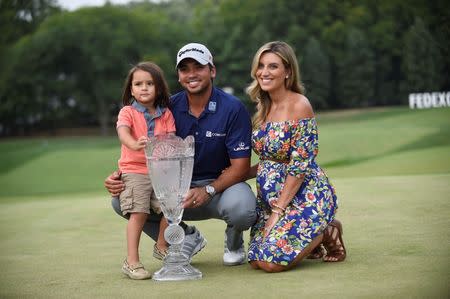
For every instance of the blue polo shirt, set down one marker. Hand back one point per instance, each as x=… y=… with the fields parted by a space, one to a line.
x=222 y=132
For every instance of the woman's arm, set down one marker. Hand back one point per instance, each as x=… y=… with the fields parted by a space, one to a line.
x=291 y=186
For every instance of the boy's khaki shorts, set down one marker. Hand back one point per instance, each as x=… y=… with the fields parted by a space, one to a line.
x=138 y=196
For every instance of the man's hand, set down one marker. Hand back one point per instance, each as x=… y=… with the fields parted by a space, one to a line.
x=113 y=183
x=196 y=197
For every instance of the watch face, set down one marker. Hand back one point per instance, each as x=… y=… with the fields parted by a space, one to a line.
x=210 y=190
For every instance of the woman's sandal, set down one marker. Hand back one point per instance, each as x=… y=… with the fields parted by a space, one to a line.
x=333 y=242
x=317 y=253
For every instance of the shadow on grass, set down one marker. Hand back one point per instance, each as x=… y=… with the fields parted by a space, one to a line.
x=436 y=139
x=361 y=115
x=15 y=154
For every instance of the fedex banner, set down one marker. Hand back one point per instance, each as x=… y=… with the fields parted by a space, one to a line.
x=429 y=100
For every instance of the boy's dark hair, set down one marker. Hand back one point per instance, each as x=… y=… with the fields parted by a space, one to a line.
x=161 y=86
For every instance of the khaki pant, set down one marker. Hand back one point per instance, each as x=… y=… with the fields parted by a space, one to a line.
x=138 y=196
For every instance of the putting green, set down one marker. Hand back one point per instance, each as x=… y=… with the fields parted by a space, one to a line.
x=395 y=229
x=390 y=167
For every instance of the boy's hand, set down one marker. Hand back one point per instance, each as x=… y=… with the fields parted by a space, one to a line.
x=140 y=143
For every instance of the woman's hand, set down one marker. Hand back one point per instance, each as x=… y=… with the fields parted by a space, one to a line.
x=270 y=223
x=113 y=183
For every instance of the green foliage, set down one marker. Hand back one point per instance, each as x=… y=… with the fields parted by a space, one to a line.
x=22 y=17
x=316 y=73
x=18 y=19
x=422 y=61
x=79 y=61
x=71 y=65
x=355 y=71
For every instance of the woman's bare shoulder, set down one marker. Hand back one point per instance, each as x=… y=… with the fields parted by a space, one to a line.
x=302 y=107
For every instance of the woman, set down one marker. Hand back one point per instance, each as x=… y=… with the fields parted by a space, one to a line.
x=296 y=204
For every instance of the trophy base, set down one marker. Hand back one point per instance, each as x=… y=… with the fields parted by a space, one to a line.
x=175 y=272
x=176 y=265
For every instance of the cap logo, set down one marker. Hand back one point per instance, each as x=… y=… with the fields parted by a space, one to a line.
x=190 y=50
x=195 y=51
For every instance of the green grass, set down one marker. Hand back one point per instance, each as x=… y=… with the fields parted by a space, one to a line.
x=352 y=143
x=391 y=168
x=351 y=137
x=56 y=165
x=396 y=235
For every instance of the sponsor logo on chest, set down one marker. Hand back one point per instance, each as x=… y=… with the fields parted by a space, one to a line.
x=214 y=134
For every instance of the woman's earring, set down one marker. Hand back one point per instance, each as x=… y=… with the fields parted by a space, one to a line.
x=287 y=76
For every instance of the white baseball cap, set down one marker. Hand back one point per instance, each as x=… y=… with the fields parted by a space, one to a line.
x=195 y=51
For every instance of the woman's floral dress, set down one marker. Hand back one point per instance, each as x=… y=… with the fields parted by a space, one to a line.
x=289 y=148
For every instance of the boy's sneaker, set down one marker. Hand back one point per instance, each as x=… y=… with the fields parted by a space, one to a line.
x=233 y=257
x=136 y=271
x=193 y=243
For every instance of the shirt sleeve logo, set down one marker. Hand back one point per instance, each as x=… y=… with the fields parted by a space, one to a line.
x=241 y=147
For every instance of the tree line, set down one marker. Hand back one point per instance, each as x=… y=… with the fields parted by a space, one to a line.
x=61 y=69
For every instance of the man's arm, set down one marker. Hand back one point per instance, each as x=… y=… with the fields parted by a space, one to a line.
x=237 y=172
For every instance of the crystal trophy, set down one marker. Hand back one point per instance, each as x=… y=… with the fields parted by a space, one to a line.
x=170 y=161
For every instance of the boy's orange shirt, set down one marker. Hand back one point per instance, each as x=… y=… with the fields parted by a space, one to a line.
x=134 y=161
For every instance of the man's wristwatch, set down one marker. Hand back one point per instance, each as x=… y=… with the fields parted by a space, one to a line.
x=210 y=190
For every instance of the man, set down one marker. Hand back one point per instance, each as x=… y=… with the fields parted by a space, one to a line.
x=221 y=127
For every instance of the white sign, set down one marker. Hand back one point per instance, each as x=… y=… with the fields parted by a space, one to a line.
x=429 y=100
